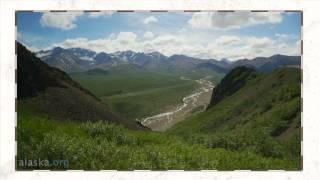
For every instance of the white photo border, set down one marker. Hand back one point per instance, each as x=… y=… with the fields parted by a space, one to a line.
x=8 y=92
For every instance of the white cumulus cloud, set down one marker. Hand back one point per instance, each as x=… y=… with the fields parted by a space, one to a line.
x=232 y=47
x=232 y=20
x=60 y=20
x=100 y=14
x=150 y=19
x=126 y=37
x=148 y=35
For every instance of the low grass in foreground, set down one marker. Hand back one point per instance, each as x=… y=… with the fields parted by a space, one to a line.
x=99 y=145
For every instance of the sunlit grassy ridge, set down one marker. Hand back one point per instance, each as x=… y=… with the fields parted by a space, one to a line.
x=101 y=145
x=264 y=116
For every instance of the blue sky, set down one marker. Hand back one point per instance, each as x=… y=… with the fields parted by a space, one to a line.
x=205 y=34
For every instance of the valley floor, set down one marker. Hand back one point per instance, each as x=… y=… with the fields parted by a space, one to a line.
x=136 y=95
x=191 y=104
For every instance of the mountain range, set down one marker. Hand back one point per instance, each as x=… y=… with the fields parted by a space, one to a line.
x=48 y=90
x=79 y=59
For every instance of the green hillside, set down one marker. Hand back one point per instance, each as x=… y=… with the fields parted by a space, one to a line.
x=262 y=115
x=101 y=145
x=50 y=91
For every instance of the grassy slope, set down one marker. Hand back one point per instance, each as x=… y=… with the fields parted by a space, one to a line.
x=52 y=92
x=100 y=145
x=263 y=117
x=137 y=93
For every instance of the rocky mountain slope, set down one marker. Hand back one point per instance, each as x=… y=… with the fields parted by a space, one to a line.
x=78 y=59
